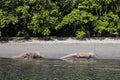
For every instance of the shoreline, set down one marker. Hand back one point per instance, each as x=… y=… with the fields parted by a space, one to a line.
x=105 y=49
x=63 y=40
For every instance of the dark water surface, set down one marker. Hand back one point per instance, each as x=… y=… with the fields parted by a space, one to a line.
x=55 y=69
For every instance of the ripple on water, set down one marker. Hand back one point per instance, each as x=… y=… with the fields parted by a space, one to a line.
x=55 y=69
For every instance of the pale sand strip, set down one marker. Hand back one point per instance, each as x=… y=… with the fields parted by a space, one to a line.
x=107 y=48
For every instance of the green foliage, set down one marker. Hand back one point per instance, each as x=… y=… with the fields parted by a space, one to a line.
x=109 y=23
x=23 y=10
x=6 y=18
x=79 y=34
x=44 y=20
x=0 y=33
x=48 y=17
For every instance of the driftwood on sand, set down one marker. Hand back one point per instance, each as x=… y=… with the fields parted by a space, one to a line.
x=28 y=55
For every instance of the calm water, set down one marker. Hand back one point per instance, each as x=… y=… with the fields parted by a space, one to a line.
x=53 y=69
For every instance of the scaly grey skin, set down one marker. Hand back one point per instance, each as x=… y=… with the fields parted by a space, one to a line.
x=86 y=55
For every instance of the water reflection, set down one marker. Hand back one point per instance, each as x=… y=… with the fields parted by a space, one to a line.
x=55 y=69
x=80 y=60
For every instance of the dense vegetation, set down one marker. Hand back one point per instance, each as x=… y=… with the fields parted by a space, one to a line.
x=88 y=18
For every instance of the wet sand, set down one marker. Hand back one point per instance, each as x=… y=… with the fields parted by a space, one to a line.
x=105 y=49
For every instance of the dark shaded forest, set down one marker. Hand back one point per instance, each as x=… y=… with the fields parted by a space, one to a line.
x=75 y=18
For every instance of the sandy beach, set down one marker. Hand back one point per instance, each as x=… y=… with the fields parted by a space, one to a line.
x=105 y=49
